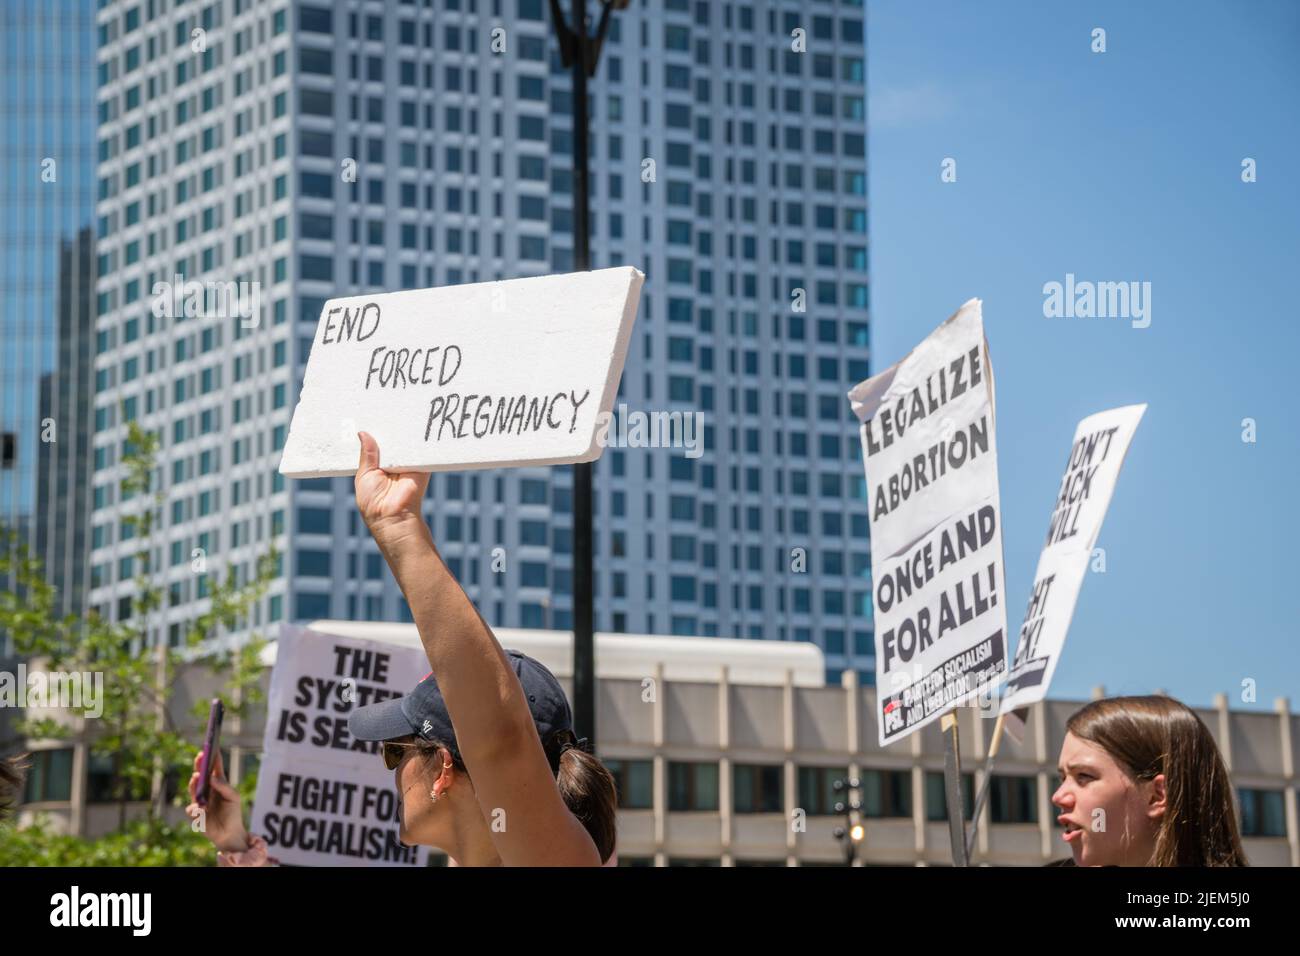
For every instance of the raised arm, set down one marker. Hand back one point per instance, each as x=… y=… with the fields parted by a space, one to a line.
x=495 y=732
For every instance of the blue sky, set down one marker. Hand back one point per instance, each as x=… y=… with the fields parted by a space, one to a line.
x=1115 y=166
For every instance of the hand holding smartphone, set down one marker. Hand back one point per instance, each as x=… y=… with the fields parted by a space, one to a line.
x=211 y=741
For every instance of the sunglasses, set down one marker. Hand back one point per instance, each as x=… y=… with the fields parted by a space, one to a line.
x=393 y=752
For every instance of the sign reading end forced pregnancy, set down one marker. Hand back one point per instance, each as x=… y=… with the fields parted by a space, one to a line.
x=929 y=448
x=493 y=374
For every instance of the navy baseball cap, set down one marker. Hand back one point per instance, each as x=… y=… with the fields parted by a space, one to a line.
x=423 y=712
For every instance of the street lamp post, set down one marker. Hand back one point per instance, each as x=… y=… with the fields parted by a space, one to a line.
x=852 y=832
x=581 y=52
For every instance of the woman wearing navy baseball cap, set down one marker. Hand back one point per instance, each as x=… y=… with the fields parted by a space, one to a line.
x=483 y=751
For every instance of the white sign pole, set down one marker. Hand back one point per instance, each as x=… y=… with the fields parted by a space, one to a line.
x=952 y=789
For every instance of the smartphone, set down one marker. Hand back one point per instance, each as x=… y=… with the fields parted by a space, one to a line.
x=211 y=741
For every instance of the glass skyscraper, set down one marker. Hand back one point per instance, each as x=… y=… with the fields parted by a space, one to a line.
x=331 y=148
x=47 y=178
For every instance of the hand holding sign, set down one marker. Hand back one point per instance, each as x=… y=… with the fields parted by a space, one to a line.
x=386 y=499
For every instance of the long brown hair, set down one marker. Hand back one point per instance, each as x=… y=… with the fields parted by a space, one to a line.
x=586 y=786
x=588 y=790
x=1159 y=735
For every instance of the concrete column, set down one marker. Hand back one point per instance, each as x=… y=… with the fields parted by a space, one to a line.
x=853 y=729
x=1283 y=708
x=726 y=801
x=232 y=733
x=1225 y=729
x=916 y=751
x=788 y=771
x=1043 y=755
x=787 y=711
x=918 y=807
x=80 y=784
x=660 y=768
x=790 y=784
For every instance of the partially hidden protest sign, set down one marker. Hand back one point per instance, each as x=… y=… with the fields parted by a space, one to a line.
x=324 y=798
x=517 y=372
x=1096 y=454
x=929 y=449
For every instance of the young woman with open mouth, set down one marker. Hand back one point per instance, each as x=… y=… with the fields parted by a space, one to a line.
x=1143 y=784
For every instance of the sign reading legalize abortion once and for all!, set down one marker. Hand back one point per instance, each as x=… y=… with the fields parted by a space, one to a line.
x=324 y=798
x=936 y=526
x=473 y=376
x=1100 y=443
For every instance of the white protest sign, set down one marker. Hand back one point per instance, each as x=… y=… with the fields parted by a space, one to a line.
x=929 y=448
x=470 y=376
x=1100 y=443
x=324 y=798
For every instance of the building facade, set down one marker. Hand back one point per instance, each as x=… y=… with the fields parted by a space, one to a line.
x=314 y=149
x=726 y=752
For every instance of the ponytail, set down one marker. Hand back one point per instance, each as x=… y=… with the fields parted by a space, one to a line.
x=587 y=788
